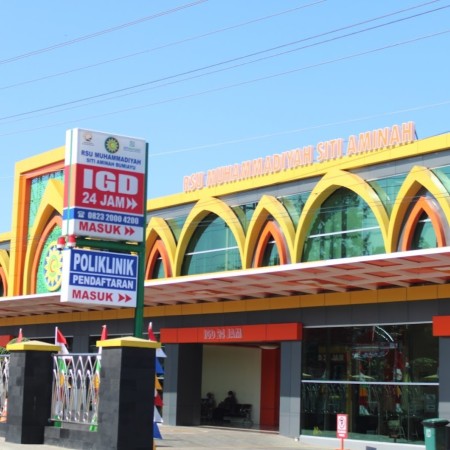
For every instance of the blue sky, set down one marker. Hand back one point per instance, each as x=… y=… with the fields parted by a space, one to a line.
x=214 y=82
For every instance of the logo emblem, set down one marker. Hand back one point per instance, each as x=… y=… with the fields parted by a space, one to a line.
x=88 y=136
x=112 y=145
x=53 y=267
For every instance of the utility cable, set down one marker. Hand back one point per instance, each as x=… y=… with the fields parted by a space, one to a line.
x=99 y=33
x=170 y=44
x=117 y=91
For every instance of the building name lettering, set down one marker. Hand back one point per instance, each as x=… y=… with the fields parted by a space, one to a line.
x=334 y=149
x=210 y=334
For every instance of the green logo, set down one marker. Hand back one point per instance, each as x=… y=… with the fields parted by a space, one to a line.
x=112 y=145
x=53 y=267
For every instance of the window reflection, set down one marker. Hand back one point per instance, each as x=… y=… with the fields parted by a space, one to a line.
x=384 y=377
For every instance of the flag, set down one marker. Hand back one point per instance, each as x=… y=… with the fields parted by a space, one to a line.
x=158 y=368
x=20 y=336
x=104 y=334
x=61 y=341
x=98 y=365
x=96 y=378
x=63 y=364
x=156 y=432
x=151 y=335
x=103 y=337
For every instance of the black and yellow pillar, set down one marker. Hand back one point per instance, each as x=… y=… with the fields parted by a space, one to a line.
x=29 y=391
x=127 y=398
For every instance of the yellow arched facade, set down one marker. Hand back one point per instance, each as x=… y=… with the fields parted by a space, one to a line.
x=268 y=206
x=52 y=202
x=173 y=236
x=199 y=212
x=418 y=178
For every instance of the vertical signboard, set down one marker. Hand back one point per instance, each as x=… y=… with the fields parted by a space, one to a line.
x=342 y=428
x=99 y=278
x=104 y=186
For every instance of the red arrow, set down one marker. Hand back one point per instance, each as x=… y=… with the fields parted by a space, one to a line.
x=129 y=230
x=125 y=298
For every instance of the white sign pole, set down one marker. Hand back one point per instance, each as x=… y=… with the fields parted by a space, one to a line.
x=342 y=428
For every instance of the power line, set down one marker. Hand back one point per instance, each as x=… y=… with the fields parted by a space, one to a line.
x=242 y=83
x=170 y=44
x=99 y=33
x=117 y=91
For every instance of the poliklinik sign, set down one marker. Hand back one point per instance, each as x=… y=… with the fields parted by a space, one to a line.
x=104 y=186
x=99 y=278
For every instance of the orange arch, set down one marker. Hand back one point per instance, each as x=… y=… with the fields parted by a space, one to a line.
x=158 y=249
x=270 y=229
x=37 y=256
x=422 y=205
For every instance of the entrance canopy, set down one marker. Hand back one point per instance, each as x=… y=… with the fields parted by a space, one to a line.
x=401 y=269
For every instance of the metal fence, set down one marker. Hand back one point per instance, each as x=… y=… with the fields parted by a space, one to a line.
x=76 y=387
x=4 y=378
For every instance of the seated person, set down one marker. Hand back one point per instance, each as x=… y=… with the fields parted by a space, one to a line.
x=208 y=406
x=227 y=406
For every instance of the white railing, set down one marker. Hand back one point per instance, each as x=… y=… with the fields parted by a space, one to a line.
x=76 y=387
x=4 y=377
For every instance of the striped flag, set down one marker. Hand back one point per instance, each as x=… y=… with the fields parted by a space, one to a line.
x=61 y=341
x=151 y=335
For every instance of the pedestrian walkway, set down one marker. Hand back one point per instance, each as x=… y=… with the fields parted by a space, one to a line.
x=218 y=438
x=191 y=438
x=197 y=438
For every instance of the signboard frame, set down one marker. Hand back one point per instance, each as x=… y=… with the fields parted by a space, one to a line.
x=105 y=182
x=99 y=277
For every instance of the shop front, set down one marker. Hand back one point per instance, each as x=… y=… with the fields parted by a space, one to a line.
x=385 y=377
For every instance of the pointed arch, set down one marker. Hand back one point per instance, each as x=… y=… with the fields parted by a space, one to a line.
x=270 y=231
x=423 y=205
x=30 y=281
x=158 y=250
x=51 y=204
x=418 y=178
x=332 y=181
x=159 y=239
x=269 y=206
x=201 y=209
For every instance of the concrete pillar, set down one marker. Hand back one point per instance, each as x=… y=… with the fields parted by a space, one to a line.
x=290 y=388
x=444 y=376
x=182 y=384
x=127 y=380
x=29 y=391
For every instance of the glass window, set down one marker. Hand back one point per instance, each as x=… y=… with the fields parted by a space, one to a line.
x=158 y=269
x=387 y=189
x=384 y=377
x=212 y=248
x=294 y=205
x=344 y=226
x=245 y=213
x=271 y=256
x=424 y=234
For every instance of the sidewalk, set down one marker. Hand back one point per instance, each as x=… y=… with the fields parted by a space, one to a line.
x=195 y=438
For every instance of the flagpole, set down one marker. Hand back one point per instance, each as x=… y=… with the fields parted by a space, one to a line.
x=139 y=310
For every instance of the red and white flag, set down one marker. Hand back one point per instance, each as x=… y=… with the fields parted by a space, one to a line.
x=61 y=341
x=151 y=335
x=103 y=337
x=104 y=334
